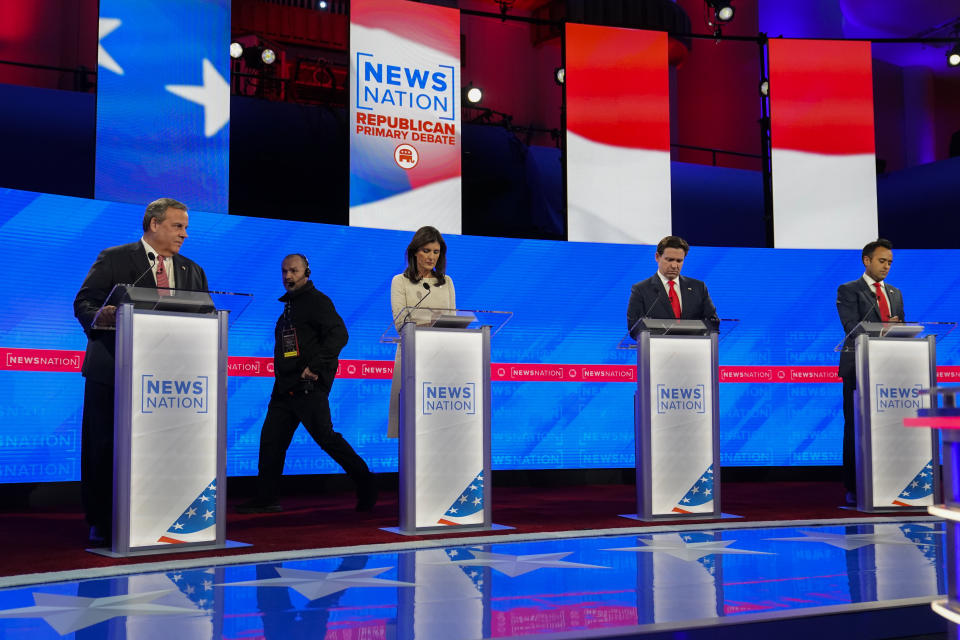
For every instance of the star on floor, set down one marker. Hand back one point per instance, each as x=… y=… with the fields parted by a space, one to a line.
x=316 y=584
x=104 y=59
x=67 y=614
x=213 y=95
x=514 y=566
x=689 y=551
x=852 y=541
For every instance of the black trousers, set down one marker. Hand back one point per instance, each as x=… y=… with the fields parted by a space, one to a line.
x=284 y=414
x=96 y=454
x=849 y=444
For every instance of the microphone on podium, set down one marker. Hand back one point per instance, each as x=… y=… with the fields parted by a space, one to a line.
x=152 y=258
x=406 y=318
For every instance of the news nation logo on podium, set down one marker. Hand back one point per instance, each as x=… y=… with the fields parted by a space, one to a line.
x=691 y=399
x=449 y=398
x=158 y=394
x=897 y=398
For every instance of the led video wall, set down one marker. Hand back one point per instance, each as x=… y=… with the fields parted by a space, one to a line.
x=562 y=390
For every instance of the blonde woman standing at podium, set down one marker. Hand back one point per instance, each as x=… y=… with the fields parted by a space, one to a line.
x=424 y=285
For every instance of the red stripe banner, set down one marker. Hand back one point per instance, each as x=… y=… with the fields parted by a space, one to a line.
x=53 y=360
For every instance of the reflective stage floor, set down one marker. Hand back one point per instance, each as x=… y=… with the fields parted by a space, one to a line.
x=709 y=577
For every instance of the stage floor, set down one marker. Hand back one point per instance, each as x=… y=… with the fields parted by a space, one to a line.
x=628 y=582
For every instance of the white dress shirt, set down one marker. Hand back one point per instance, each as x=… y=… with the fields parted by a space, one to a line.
x=870 y=282
x=167 y=264
x=666 y=287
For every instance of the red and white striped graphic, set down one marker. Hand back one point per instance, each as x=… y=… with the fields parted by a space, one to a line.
x=823 y=157
x=618 y=135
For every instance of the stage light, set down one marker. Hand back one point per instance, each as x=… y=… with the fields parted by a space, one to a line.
x=559 y=75
x=953 y=56
x=268 y=56
x=765 y=87
x=473 y=94
x=236 y=50
x=722 y=9
x=322 y=4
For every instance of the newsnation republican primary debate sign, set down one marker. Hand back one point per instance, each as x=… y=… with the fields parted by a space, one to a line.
x=404 y=115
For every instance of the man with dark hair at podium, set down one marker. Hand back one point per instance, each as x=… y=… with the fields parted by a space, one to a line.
x=668 y=295
x=152 y=261
x=307 y=342
x=868 y=298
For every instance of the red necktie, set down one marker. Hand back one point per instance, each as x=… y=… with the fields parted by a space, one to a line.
x=674 y=299
x=882 y=302
x=162 y=279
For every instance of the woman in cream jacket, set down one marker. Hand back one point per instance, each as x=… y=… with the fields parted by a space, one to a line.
x=426 y=265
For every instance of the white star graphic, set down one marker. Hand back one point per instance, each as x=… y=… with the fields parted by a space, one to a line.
x=852 y=541
x=674 y=546
x=514 y=566
x=104 y=59
x=191 y=512
x=213 y=95
x=207 y=515
x=177 y=526
x=316 y=584
x=67 y=614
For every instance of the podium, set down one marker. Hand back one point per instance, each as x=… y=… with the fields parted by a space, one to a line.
x=170 y=418
x=897 y=469
x=676 y=420
x=945 y=418
x=444 y=438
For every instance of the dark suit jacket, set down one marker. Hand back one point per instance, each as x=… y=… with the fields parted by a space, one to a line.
x=120 y=265
x=857 y=302
x=648 y=299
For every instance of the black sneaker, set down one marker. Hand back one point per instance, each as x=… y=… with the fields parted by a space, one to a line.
x=259 y=505
x=367 y=494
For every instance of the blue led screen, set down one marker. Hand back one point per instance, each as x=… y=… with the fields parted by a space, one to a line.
x=163 y=101
x=569 y=301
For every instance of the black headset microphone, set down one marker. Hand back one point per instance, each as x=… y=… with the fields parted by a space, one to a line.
x=306 y=265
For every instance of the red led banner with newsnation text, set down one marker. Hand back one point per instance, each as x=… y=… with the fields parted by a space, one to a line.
x=251 y=366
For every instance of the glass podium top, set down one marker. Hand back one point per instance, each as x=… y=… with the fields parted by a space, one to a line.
x=446 y=319
x=939 y=330
x=165 y=299
x=678 y=327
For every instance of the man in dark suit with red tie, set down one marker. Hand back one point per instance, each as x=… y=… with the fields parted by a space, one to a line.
x=152 y=261
x=868 y=298
x=667 y=294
